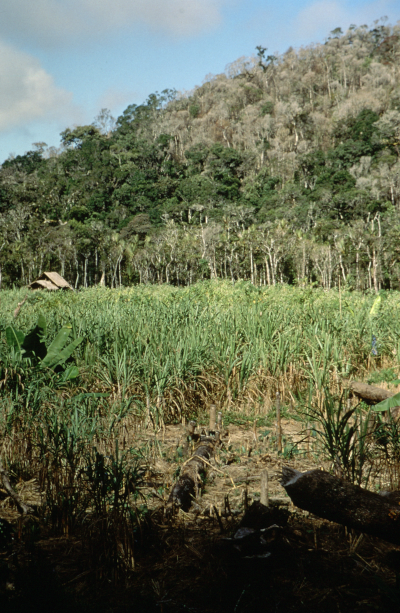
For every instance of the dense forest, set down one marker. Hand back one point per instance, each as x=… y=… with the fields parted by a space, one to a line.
x=282 y=169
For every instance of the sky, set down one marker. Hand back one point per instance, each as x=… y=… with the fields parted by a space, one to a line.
x=62 y=61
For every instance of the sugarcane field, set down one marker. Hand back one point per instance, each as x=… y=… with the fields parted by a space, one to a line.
x=210 y=448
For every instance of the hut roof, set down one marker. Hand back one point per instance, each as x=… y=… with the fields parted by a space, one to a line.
x=51 y=281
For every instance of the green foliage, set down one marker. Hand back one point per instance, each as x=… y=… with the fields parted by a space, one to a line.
x=386 y=375
x=112 y=480
x=343 y=435
x=156 y=354
x=389 y=403
x=224 y=165
x=267 y=108
x=197 y=156
x=358 y=129
x=59 y=352
x=31 y=347
x=27 y=163
x=15 y=338
x=387 y=437
x=194 y=110
x=275 y=140
x=151 y=342
x=80 y=136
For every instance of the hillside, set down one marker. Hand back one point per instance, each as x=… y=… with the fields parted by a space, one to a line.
x=282 y=169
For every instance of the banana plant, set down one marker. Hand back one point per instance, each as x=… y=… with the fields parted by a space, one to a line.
x=32 y=346
x=389 y=403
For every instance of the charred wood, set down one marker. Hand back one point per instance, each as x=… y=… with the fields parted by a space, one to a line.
x=338 y=500
x=369 y=393
x=185 y=489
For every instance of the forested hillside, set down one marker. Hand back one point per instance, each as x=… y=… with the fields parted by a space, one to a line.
x=281 y=169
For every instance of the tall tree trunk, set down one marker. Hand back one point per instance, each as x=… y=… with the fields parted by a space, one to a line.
x=96 y=264
x=329 y=268
x=85 y=284
x=375 y=269
x=41 y=264
x=267 y=271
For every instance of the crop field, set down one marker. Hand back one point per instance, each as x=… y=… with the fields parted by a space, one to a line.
x=97 y=388
x=169 y=347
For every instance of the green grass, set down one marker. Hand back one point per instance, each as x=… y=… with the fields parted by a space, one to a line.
x=213 y=338
x=152 y=355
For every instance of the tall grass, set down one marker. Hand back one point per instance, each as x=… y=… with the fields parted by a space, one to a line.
x=173 y=348
x=153 y=355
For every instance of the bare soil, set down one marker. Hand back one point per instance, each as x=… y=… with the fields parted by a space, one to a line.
x=188 y=563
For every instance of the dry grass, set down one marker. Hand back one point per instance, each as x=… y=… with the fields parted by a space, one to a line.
x=96 y=456
x=185 y=564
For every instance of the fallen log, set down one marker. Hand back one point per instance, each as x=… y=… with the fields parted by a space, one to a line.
x=369 y=393
x=185 y=489
x=338 y=500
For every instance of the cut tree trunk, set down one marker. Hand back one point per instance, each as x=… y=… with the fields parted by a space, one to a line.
x=185 y=489
x=370 y=393
x=338 y=500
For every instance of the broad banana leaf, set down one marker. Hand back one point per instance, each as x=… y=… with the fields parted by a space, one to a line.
x=41 y=324
x=387 y=404
x=58 y=353
x=53 y=351
x=68 y=351
x=70 y=373
x=15 y=338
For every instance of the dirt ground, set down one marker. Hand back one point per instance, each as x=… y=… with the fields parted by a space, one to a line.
x=288 y=561
x=237 y=464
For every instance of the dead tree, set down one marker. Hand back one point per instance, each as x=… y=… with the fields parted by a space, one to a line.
x=338 y=500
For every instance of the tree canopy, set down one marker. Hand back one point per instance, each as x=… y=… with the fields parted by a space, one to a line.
x=282 y=168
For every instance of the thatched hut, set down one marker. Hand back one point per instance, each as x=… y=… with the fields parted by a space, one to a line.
x=51 y=281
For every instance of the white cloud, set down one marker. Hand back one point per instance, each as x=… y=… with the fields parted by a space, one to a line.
x=27 y=91
x=115 y=99
x=320 y=17
x=178 y=17
x=51 y=22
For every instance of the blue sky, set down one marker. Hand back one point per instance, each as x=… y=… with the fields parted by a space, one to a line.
x=61 y=61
